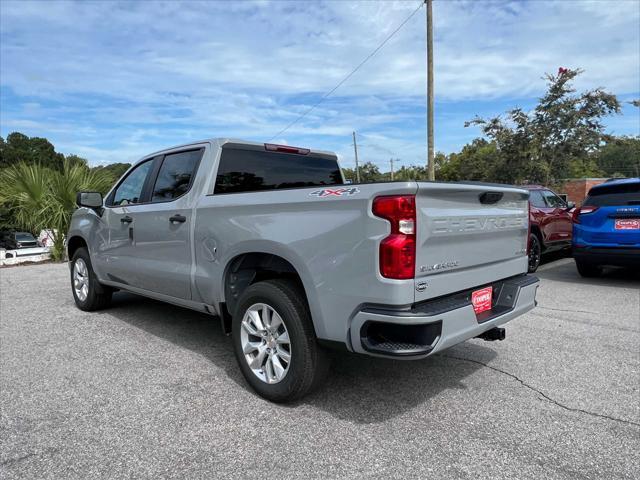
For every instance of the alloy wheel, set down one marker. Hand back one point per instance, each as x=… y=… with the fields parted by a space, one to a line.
x=265 y=343
x=81 y=279
x=534 y=253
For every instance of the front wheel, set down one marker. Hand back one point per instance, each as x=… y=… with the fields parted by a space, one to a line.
x=274 y=341
x=88 y=293
x=535 y=252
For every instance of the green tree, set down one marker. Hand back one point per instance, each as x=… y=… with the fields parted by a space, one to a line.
x=114 y=171
x=620 y=157
x=21 y=148
x=75 y=159
x=39 y=197
x=564 y=129
x=477 y=161
x=369 y=173
x=349 y=174
x=411 y=172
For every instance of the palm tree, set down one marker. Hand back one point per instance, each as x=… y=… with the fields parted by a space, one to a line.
x=41 y=198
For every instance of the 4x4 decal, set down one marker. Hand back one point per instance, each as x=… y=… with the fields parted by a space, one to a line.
x=334 y=192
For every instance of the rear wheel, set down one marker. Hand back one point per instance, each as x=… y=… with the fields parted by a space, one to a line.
x=535 y=252
x=587 y=269
x=88 y=293
x=275 y=343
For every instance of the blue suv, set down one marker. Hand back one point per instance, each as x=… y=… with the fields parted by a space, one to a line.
x=606 y=228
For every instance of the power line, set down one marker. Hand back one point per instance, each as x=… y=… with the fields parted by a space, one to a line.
x=326 y=95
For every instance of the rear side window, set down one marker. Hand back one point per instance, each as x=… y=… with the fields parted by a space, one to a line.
x=255 y=170
x=175 y=175
x=614 y=195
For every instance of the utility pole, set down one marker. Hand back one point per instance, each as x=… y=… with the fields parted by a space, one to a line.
x=355 y=149
x=430 y=161
x=391 y=160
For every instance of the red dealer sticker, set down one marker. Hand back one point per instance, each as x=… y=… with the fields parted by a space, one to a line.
x=630 y=224
x=481 y=299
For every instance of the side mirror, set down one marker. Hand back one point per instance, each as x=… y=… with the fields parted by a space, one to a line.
x=91 y=200
x=570 y=205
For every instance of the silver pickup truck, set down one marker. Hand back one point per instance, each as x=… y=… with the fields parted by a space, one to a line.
x=294 y=261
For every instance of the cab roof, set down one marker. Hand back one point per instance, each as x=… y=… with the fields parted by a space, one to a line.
x=221 y=142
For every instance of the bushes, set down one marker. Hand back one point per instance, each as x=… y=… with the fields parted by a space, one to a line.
x=36 y=197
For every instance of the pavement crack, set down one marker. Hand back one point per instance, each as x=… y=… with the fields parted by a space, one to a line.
x=568 y=310
x=11 y=461
x=542 y=394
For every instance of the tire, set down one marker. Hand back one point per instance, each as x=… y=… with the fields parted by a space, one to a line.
x=535 y=252
x=307 y=364
x=95 y=296
x=587 y=269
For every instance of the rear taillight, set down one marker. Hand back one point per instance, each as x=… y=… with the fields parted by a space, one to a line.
x=582 y=211
x=398 y=250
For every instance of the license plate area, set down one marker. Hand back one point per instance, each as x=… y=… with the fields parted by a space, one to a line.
x=482 y=299
x=627 y=224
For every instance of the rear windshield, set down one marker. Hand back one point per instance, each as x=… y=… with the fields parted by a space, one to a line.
x=254 y=170
x=614 y=195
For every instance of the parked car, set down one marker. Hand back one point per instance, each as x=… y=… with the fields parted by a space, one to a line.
x=293 y=260
x=16 y=240
x=550 y=223
x=606 y=228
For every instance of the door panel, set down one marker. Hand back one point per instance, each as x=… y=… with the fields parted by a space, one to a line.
x=162 y=235
x=163 y=249
x=117 y=256
x=560 y=220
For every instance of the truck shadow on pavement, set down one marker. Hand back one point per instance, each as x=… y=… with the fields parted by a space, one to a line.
x=358 y=389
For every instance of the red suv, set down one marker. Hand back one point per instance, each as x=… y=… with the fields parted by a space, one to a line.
x=550 y=223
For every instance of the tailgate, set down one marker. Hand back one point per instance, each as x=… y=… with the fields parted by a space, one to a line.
x=468 y=235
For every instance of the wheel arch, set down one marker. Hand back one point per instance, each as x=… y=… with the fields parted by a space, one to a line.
x=74 y=243
x=535 y=229
x=247 y=268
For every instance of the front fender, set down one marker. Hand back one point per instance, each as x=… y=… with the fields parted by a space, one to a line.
x=89 y=226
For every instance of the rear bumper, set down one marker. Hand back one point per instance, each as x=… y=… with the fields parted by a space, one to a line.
x=616 y=256
x=432 y=326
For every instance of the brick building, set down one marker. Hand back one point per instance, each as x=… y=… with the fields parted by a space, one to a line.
x=576 y=189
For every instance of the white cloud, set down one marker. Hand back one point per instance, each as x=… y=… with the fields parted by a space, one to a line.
x=88 y=74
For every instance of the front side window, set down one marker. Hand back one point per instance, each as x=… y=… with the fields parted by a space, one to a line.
x=553 y=200
x=129 y=192
x=535 y=197
x=175 y=175
x=255 y=170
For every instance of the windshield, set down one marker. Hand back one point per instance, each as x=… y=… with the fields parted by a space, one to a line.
x=24 y=237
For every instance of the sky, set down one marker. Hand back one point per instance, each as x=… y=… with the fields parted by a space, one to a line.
x=113 y=81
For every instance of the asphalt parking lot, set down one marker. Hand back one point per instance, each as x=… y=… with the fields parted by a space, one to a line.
x=147 y=390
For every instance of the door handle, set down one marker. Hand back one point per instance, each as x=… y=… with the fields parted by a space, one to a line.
x=126 y=219
x=178 y=219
